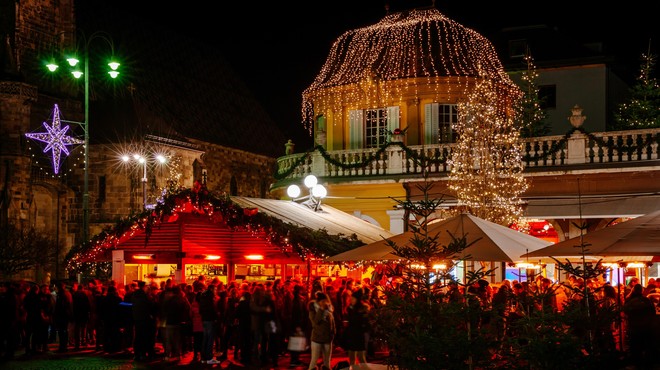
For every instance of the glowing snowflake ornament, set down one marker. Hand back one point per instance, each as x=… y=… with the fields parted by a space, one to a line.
x=56 y=138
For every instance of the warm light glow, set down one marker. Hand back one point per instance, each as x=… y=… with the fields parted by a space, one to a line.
x=319 y=191
x=161 y=159
x=293 y=191
x=527 y=265
x=77 y=74
x=113 y=74
x=310 y=181
x=72 y=62
x=136 y=156
x=143 y=256
x=396 y=58
x=52 y=67
x=254 y=257
x=211 y=257
x=141 y=159
x=114 y=66
x=486 y=163
x=440 y=266
x=635 y=265
x=125 y=158
x=611 y=265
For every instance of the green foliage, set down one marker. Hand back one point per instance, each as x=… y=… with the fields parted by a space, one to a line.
x=643 y=108
x=531 y=117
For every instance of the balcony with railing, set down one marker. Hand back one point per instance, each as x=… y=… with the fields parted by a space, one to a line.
x=577 y=148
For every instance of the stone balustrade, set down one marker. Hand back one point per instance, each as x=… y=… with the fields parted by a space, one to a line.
x=552 y=152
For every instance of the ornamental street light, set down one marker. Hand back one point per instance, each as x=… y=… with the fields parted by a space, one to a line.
x=73 y=63
x=143 y=161
x=316 y=193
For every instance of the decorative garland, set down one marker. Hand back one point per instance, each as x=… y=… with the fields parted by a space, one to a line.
x=419 y=159
x=558 y=145
x=307 y=243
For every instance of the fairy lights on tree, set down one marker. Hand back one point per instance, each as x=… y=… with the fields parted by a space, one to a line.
x=406 y=54
x=530 y=115
x=487 y=170
x=643 y=109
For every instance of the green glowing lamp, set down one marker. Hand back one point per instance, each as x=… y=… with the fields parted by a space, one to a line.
x=52 y=66
x=77 y=74
x=113 y=74
x=72 y=61
x=114 y=65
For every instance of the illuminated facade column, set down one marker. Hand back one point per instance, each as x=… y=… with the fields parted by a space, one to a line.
x=577 y=142
x=397 y=223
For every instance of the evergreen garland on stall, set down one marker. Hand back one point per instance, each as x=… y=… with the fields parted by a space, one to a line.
x=307 y=243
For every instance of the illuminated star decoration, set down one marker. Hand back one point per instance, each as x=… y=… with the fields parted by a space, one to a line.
x=56 y=139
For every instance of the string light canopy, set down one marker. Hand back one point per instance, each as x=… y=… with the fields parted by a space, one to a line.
x=405 y=54
x=56 y=138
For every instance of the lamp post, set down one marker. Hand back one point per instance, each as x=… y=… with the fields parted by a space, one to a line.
x=73 y=62
x=316 y=193
x=143 y=161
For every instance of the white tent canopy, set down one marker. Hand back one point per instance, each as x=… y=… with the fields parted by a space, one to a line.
x=637 y=237
x=496 y=242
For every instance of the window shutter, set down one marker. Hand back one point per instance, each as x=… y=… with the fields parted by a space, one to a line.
x=431 y=123
x=356 y=129
x=393 y=118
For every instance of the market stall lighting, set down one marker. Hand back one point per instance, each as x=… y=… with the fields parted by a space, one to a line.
x=311 y=181
x=143 y=256
x=635 y=265
x=440 y=266
x=528 y=265
x=254 y=257
x=293 y=191
x=211 y=257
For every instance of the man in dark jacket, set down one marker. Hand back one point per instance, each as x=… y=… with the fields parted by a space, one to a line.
x=640 y=314
x=63 y=315
x=144 y=319
x=81 y=313
x=209 y=313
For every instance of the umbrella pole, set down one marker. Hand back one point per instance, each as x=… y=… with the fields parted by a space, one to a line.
x=618 y=300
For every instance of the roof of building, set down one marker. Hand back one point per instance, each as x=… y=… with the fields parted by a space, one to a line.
x=334 y=221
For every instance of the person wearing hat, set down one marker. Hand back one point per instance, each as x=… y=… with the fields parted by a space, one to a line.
x=323 y=329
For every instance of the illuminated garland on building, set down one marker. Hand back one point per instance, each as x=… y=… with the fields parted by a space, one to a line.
x=487 y=170
x=399 y=56
x=307 y=243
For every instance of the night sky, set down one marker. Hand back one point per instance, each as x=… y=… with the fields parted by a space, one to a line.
x=278 y=47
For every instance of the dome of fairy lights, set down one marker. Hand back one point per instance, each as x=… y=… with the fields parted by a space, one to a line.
x=396 y=56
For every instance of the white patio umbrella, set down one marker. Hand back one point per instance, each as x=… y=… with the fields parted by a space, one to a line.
x=496 y=242
x=637 y=237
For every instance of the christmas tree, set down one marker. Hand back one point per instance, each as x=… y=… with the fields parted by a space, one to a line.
x=530 y=115
x=487 y=170
x=643 y=108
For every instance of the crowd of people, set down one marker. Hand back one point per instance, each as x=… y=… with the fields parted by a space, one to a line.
x=257 y=320
x=208 y=317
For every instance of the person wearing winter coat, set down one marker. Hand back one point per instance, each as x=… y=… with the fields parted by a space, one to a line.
x=63 y=315
x=357 y=330
x=323 y=329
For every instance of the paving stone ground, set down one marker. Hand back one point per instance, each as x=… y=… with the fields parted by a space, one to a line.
x=89 y=359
